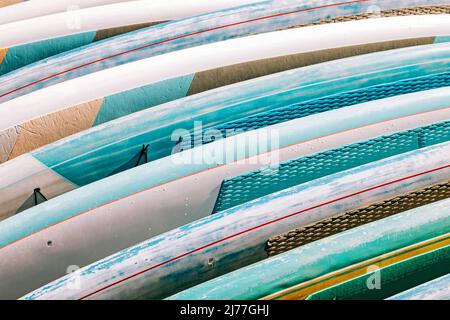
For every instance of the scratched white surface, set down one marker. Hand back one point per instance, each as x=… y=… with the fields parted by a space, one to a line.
x=225 y=236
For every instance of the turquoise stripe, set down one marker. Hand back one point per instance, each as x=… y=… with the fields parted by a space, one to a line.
x=393 y=278
x=107 y=149
x=165 y=169
x=256 y=184
x=124 y=103
x=327 y=255
x=22 y=55
x=442 y=39
x=175 y=260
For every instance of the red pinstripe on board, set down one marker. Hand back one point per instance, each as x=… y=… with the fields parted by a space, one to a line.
x=177 y=38
x=206 y=170
x=263 y=225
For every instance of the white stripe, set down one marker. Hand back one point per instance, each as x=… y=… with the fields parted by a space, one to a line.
x=189 y=61
x=104 y=17
x=160 y=208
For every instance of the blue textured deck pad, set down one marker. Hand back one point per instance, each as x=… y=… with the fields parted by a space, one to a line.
x=332 y=102
x=242 y=188
x=75 y=170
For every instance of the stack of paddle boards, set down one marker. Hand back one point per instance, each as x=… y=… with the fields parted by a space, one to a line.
x=227 y=149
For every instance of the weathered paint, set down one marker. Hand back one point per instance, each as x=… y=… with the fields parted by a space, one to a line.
x=324 y=256
x=351 y=219
x=227 y=24
x=21 y=55
x=188 y=61
x=242 y=100
x=29 y=9
x=46 y=36
x=149 y=95
x=437 y=289
x=133 y=14
x=165 y=186
x=213 y=180
x=39 y=175
x=215 y=245
x=112 y=32
x=223 y=76
x=4 y=3
x=64 y=95
x=110 y=148
x=8 y=139
x=305 y=289
x=97 y=153
x=3 y=53
x=370 y=113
